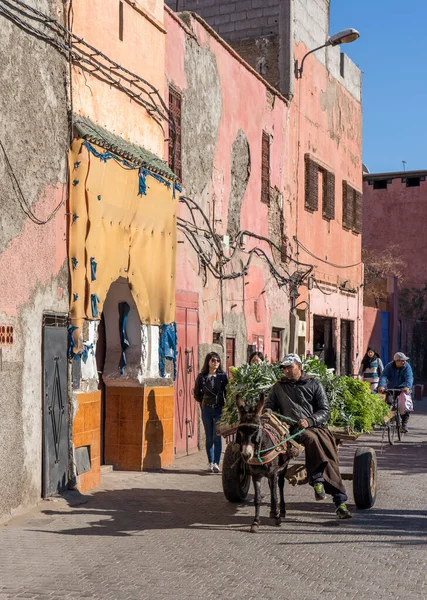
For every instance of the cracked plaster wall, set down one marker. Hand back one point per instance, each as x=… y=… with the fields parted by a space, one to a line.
x=33 y=272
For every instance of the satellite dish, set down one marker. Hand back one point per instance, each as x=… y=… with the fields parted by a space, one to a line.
x=365 y=169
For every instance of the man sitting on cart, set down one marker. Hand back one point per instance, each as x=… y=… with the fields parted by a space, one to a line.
x=303 y=401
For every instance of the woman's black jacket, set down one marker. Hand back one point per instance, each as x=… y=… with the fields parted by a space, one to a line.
x=302 y=399
x=217 y=397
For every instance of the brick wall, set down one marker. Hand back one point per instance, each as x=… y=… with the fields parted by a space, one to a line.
x=235 y=20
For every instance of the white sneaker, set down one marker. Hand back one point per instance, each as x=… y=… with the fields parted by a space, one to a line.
x=216 y=468
x=211 y=468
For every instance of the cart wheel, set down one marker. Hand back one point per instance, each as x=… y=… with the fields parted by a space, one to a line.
x=364 y=477
x=235 y=476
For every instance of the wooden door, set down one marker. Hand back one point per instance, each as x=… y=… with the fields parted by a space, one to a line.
x=186 y=408
x=230 y=355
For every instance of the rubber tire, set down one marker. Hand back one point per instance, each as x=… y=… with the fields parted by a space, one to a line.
x=235 y=484
x=391 y=431
x=399 y=427
x=365 y=478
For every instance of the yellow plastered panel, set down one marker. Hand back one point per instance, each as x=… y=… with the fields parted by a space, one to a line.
x=129 y=235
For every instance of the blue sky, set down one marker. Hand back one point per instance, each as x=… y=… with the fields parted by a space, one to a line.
x=392 y=54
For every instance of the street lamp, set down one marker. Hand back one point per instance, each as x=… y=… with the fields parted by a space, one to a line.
x=342 y=37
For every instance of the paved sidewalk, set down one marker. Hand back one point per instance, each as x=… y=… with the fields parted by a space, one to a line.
x=170 y=535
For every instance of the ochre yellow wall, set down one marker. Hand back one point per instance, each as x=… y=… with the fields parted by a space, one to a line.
x=87 y=432
x=139 y=427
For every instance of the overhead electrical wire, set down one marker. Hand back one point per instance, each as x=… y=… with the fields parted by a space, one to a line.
x=323 y=260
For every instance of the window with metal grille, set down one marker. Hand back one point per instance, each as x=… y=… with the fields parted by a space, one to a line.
x=351 y=208
x=175 y=102
x=6 y=335
x=265 y=169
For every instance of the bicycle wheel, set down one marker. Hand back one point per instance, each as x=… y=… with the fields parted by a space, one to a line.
x=399 y=427
x=391 y=431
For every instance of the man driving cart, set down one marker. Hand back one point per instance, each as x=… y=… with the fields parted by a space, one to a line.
x=302 y=399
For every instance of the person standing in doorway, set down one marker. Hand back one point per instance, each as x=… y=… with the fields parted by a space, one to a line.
x=371 y=368
x=209 y=391
x=256 y=358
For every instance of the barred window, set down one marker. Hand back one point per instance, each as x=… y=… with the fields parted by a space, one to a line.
x=265 y=169
x=352 y=208
x=175 y=102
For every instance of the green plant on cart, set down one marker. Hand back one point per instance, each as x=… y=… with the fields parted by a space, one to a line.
x=351 y=402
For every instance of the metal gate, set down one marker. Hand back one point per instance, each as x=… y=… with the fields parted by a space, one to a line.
x=55 y=406
x=186 y=408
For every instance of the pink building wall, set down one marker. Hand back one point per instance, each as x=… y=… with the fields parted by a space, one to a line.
x=323 y=119
x=396 y=217
x=243 y=105
x=326 y=123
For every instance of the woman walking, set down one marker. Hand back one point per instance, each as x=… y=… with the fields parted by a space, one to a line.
x=371 y=368
x=209 y=391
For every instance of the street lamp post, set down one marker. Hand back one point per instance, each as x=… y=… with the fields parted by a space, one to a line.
x=342 y=37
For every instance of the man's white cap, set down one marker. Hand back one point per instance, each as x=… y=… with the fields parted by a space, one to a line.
x=289 y=359
x=400 y=356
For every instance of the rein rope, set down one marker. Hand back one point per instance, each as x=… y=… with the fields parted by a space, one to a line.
x=286 y=439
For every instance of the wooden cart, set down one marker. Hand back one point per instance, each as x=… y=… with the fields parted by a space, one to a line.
x=236 y=478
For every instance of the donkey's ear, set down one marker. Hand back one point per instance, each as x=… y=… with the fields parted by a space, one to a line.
x=240 y=405
x=260 y=404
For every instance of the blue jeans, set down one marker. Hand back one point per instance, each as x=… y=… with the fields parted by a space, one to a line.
x=210 y=416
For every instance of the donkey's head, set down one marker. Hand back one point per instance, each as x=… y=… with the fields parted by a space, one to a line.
x=249 y=433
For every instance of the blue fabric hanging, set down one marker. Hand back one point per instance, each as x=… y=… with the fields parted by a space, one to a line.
x=94 y=299
x=93 y=265
x=124 y=309
x=71 y=342
x=168 y=341
x=75 y=262
x=75 y=296
x=75 y=217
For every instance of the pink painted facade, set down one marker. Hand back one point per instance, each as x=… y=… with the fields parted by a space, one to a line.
x=394 y=214
x=252 y=305
x=323 y=120
x=326 y=125
x=395 y=217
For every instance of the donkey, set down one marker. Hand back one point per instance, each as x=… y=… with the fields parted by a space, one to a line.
x=254 y=438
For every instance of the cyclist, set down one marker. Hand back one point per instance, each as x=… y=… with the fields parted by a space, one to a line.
x=398 y=374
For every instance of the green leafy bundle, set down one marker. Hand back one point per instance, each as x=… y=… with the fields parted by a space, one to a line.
x=248 y=382
x=351 y=402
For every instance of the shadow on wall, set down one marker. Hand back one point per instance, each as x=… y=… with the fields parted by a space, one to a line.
x=153 y=435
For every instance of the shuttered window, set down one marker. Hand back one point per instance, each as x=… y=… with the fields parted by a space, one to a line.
x=328 y=200
x=265 y=169
x=319 y=184
x=175 y=102
x=311 y=185
x=351 y=208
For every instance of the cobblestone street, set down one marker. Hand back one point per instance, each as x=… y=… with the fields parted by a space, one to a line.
x=173 y=535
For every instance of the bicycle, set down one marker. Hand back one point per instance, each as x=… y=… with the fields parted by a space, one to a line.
x=394 y=425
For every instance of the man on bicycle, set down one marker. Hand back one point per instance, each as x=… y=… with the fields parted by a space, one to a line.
x=398 y=374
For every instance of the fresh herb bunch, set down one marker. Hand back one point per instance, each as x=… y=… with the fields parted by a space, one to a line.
x=351 y=402
x=248 y=382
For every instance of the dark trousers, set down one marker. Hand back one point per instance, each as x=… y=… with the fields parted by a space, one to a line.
x=321 y=454
x=210 y=417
